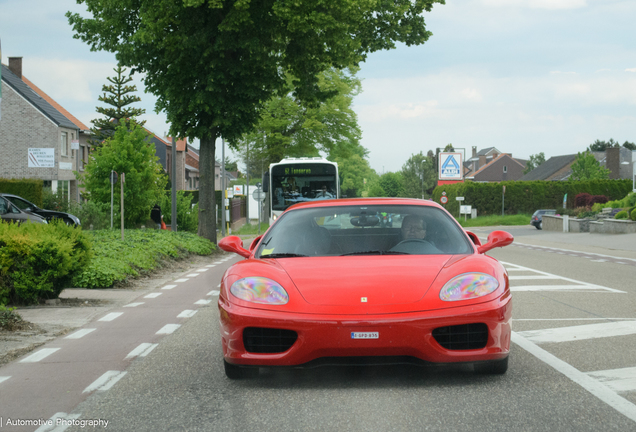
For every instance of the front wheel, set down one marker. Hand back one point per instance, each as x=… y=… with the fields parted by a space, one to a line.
x=540 y=226
x=235 y=372
x=494 y=367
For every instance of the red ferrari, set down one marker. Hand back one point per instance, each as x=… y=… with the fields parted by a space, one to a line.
x=328 y=283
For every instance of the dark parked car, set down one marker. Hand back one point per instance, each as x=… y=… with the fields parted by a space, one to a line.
x=29 y=207
x=537 y=218
x=10 y=213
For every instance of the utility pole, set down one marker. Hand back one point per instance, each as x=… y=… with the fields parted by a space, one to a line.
x=173 y=217
x=247 y=175
x=223 y=188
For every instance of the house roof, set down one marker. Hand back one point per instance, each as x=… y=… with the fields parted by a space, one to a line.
x=191 y=168
x=39 y=102
x=484 y=152
x=549 y=167
x=181 y=143
x=81 y=126
x=485 y=167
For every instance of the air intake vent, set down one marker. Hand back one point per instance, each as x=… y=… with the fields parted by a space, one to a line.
x=268 y=340
x=462 y=337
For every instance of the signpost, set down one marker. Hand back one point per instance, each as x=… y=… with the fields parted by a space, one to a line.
x=465 y=210
x=123 y=176
x=113 y=180
x=460 y=199
x=259 y=196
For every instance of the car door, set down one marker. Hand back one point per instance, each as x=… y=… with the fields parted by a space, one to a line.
x=11 y=213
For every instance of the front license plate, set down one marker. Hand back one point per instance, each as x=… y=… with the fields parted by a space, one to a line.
x=365 y=335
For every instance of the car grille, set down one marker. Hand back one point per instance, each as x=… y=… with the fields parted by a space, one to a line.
x=462 y=337
x=268 y=340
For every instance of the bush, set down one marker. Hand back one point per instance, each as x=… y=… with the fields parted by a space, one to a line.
x=8 y=318
x=38 y=261
x=92 y=213
x=598 y=199
x=141 y=251
x=187 y=215
x=633 y=214
x=621 y=215
x=583 y=200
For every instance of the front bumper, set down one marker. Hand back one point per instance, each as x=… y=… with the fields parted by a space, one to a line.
x=400 y=335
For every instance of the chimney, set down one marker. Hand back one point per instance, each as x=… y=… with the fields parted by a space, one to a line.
x=15 y=66
x=482 y=161
x=494 y=155
x=474 y=151
x=612 y=162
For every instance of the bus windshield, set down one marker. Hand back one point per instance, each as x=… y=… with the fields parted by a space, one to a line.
x=294 y=183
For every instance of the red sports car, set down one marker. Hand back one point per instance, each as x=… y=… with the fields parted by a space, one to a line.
x=328 y=283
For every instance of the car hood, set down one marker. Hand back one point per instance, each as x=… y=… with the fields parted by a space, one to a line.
x=369 y=280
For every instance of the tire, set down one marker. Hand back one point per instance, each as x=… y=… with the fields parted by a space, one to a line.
x=494 y=367
x=540 y=226
x=235 y=372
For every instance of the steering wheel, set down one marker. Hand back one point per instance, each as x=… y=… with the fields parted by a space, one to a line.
x=413 y=240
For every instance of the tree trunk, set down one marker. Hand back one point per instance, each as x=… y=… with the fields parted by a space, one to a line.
x=207 y=201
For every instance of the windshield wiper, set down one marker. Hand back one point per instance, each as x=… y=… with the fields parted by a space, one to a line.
x=282 y=255
x=376 y=252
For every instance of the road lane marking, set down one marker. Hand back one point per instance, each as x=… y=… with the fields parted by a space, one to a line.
x=218 y=262
x=111 y=316
x=105 y=382
x=214 y=293
x=210 y=265
x=203 y=302
x=182 y=280
x=4 y=378
x=202 y=270
x=191 y=275
x=598 y=389
x=581 y=288
x=167 y=287
x=574 y=319
x=141 y=351
x=533 y=277
x=619 y=380
x=599 y=260
x=134 y=304
x=168 y=328
x=581 y=332
x=153 y=295
x=53 y=426
x=39 y=355
x=80 y=333
x=583 y=285
x=589 y=254
x=187 y=314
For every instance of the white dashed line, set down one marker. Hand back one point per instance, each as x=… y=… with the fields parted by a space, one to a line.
x=39 y=355
x=202 y=270
x=187 y=314
x=599 y=260
x=105 y=382
x=169 y=328
x=573 y=288
x=582 y=332
x=218 y=262
x=182 y=280
x=167 y=287
x=80 y=333
x=203 y=302
x=600 y=390
x=4 y=378
x=53 y=426
x=214 y=293
x=533 y=277
x=153 y=295
x=193 y=275
x=134 y=304
x=111 y=316
x=210 y=265
x=142 y=350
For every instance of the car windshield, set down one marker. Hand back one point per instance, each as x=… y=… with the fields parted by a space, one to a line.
x=364 y=230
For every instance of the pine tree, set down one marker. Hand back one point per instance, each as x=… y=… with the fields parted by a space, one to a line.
x=118 y=96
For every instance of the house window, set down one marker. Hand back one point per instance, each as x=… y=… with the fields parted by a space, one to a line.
x=505 y=169
x=64 y=144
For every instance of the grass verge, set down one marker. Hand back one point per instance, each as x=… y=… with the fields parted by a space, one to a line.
x=506 y=220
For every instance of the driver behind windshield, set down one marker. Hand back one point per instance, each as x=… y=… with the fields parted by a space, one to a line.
x=413 y=227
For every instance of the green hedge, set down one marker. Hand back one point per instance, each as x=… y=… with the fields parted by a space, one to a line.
x=29 y=189
x=526 y=196
x=37 y=261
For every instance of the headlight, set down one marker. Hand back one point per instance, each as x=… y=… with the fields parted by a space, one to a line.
x=259 y=290
x=468 y=286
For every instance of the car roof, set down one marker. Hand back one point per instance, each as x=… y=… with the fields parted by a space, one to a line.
x=364 y=201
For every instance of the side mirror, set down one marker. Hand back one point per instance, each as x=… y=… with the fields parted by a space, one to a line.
x=474 y=238
x=234 y=244
x=496 y=239
x=255 y=242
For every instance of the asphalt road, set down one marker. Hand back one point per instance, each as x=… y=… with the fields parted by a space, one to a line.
x=572 y=367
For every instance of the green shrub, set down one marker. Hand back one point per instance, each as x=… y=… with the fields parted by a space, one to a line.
x=187 y=215
x=93 y=213
x=586 y=214
x=621 y=215
x=38 y=261
x=141 y=251
x=29 y=189
x=633 y=214
x=9 y=319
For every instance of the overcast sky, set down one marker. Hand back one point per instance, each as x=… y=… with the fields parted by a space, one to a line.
x=525 y=76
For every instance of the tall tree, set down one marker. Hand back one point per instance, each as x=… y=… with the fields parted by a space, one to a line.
x=353 y=172
x=534 y=161
x=418 y=176
x=586 y=167
x=599 y=146
x=119 y=96
x=629 y=145
x=213 y=64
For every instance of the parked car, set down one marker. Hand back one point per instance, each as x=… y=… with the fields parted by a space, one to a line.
x=29 y=207
x=537 y=217
x=10 y=213
x=313 y=292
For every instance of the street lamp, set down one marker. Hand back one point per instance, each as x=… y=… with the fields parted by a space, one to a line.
x=422 y=169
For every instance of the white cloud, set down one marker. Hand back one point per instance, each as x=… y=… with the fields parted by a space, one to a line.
x=630 y=70
x=538 y=4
